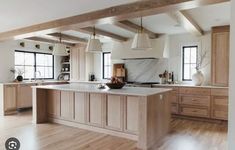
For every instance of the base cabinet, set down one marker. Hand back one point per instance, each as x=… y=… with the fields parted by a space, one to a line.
x=53 y=103
x=80 y=105
x=67 y=105
x=10 y=92
x=114 y=112
x=24 y=95
x=96 y=109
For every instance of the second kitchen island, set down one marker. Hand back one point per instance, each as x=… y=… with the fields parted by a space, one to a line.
x=140 y=114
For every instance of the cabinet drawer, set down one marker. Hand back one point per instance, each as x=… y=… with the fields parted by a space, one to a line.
x=199 y=91
x=220 y=101
x=174 y=109
x=195 y=100
x=197 y=112
x=220 y=115
x=219 y=92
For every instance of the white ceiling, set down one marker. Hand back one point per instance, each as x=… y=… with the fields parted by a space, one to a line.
x=20 y=13
x=28 y=12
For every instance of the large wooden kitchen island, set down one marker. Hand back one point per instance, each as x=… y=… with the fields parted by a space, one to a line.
x=141 y=114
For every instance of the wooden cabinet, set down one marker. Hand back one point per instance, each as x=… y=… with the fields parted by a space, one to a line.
x=96 y=109
x=131 y=110
x=194 y=111
x=67 y=105
x=10 y=92
x=220 y=56
x=114 y=112
x=78 y=63
x=80 y=105
x=24 y=95
x=53 y=103
x=219 y=104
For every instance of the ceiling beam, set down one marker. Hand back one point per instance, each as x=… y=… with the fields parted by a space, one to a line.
x=127 y=25
x=108 y=15
x=187 y=22
x=44 y=40
x=90 y=30
x=69 y=38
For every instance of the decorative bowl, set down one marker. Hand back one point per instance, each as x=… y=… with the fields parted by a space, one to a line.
x=115 y=85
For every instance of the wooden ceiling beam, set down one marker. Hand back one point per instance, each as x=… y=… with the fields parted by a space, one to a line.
x=69 y=38
x=187 y=22
x=108 y=15
x=89 y=30
x=127 y=25
x=45 y=40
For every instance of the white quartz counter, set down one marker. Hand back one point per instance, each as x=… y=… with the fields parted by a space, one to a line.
x=33 y=82
x=187 y=85
x=135 y=91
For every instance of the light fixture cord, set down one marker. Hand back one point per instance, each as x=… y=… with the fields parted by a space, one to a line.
x=60 y=37
x=94 y=31
x=141 y=25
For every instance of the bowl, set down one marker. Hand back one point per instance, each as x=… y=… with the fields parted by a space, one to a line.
x=115 y=85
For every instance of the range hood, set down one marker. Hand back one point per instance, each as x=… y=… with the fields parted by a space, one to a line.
x=123 y=51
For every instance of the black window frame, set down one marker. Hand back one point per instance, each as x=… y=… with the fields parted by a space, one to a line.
x=103 y=66
x=183 y=51
x=35 y=65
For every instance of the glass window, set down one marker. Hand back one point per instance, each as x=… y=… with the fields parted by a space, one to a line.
x=107 y=65
x=189 y=62
x=34 y=64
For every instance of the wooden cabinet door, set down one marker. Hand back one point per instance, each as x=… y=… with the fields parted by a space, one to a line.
x=114 y=112
x=220 y=56
x=10 y=97
x=67 y=105
x=96 y=109
x=80 y=105
x=220 y=107
x=53 y=103
x=74 y=61
x=24 y=96
x=131 y=114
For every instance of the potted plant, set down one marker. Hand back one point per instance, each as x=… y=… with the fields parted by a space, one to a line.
x=19 y=74
x=198 y=77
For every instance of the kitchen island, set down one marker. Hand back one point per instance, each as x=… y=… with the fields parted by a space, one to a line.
x=141 y=114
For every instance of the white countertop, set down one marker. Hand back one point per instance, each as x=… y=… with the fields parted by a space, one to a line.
x=187 y=85
x=135 y=91
x=33 y=82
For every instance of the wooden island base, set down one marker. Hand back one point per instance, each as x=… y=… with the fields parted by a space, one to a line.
x=145 y=119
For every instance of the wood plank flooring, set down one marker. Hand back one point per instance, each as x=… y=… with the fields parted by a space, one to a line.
x=185 y=135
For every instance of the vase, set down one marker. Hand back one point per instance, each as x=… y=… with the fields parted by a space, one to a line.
x=19 y=78
x=198 y=78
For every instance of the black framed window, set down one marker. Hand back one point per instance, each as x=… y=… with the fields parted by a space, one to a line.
x=107 y=66
x=35 y=64
x=190 y=54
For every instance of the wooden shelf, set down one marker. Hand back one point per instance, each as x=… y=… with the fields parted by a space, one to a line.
x=66 y=72
x=65 y=63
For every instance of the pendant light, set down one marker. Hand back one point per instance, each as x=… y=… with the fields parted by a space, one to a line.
x=94 y=45
x=60 y=49
x=141 y=40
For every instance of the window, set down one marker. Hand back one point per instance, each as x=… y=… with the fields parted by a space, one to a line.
x=33 y=64
x=107 y=65
x=189 y=62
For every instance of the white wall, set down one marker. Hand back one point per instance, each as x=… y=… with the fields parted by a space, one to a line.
x=7 y=57
x=231 y=120
x=176 y=42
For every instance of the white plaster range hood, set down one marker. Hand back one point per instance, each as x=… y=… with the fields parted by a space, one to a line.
x=122 y=50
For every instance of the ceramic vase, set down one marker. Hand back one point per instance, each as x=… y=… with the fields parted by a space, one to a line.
x=198 y=78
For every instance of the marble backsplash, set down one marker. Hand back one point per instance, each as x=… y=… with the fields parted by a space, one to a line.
x=145 y=70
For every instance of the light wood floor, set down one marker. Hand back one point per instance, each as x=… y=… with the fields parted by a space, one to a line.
x=185 y=135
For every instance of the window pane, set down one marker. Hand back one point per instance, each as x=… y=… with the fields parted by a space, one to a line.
x=19 y=58
x=193 y=69
x=48 y=60
x=186 y=55
x=29 y=59
x=187 y=70
x=48 y=72
x=193 y=55
x=29 y=72
x=40 y=59
x=107 y=65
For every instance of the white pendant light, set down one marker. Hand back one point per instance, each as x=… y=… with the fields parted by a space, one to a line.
x=141 y=40
x=94 y=45
x=60 y=49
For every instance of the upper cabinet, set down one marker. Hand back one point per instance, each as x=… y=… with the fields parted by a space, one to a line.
x=220 y=56
x=122 y=50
